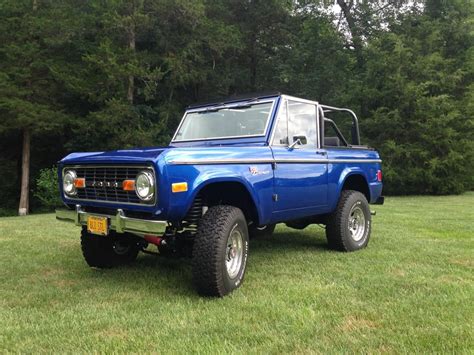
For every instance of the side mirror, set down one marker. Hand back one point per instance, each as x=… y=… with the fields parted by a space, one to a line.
x=302 y=139
x=298 y=140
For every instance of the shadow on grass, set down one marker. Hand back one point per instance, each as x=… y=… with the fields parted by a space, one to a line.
x=173 y=275
x=290 y=241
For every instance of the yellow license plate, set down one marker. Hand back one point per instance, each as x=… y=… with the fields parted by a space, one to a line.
x=98 y=225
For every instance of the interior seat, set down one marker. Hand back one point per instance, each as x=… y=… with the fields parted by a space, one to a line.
x=332 y=141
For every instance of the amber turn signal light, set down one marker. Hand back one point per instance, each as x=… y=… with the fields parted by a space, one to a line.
x=79 y=183
x=128 y=185
x=179 y=187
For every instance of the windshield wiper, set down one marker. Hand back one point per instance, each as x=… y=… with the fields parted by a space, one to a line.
x=225 y=107
x=240 y=107
x=209 y=110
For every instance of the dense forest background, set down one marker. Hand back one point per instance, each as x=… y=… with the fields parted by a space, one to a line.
x=79 y=75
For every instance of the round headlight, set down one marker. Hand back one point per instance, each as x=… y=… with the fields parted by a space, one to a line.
x=68 y=182
x=145 y=186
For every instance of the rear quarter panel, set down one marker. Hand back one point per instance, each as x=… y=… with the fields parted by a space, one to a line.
x=343 y=162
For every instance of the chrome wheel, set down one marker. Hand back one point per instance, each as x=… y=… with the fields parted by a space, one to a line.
x=234 y=252
x=356 y=223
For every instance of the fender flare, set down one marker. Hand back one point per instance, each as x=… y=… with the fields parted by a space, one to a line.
x=202 y=183
x=346 y=173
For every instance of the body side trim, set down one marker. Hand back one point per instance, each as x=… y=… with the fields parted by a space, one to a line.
x=270 y=161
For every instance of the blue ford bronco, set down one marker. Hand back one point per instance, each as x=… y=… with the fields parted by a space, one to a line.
x=233 y=170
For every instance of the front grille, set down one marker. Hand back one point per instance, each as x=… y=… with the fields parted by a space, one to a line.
x=104 y=183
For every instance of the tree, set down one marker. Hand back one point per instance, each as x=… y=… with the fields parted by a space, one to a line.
x=315 y=64
x=263 y=29
x=417 y=84
x=29 y=92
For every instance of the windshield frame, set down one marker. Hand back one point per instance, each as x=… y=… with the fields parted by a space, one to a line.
x=230 y=105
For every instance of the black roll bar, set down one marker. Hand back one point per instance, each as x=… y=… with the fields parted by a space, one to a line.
x=355 y=122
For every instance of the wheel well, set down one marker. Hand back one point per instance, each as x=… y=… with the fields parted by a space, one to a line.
x=358 y=183
x=230 y=193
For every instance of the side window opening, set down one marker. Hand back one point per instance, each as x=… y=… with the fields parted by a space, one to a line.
x=333 y=137
x=302 y=123
x=296 y=121
x=341 y=127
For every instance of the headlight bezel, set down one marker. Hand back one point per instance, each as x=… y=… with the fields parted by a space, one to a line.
x=73 y=175
x=149 y=178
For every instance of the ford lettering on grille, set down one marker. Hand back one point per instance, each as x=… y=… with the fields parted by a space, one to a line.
x=107 y=184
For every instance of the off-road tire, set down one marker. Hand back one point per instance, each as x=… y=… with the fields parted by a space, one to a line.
x=210 y=274
x=338 y=233
x=100 y=251
x=261 y=232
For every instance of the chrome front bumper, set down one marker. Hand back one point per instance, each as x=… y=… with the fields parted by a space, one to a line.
x=119 y=222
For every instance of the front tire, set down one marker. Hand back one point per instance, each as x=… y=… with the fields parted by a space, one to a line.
x=220 y=251
x=108 y=251
x=349 y=226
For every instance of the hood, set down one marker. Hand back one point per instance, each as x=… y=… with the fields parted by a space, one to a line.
x=190 y=155
x=169 y=154
x=116 y=156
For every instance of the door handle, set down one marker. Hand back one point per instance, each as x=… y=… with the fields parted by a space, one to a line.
x=320 y=153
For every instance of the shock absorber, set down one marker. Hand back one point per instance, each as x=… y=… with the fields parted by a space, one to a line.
x=194 y=214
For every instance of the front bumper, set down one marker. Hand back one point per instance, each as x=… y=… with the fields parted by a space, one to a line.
x=119 y=222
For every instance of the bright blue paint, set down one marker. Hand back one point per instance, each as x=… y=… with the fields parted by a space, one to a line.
x=259 y=186
x=339 y=172
x=303 y=189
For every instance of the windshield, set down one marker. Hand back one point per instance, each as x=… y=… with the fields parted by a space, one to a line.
x=239 y=120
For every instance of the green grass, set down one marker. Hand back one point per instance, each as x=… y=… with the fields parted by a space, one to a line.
x=411 y=290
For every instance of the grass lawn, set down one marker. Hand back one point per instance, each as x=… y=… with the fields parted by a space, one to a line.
x=411 y=290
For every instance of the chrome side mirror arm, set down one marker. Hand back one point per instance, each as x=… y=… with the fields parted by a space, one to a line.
x=295 y=143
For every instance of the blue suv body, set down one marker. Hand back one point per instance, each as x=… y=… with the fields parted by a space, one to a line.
x=233 y=169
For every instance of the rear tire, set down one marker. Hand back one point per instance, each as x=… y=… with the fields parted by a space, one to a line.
x=220 y=251
x=108 y=251
x=349 y=226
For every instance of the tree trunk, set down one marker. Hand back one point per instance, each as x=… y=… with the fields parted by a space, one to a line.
x=357 y=43
x=354 y=30
x=131 y=78
x=24 y=205
x=25 y=174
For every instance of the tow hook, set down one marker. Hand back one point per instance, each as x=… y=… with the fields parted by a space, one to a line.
x=373 y=213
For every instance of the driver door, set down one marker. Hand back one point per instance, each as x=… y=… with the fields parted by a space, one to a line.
x=301 y=170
